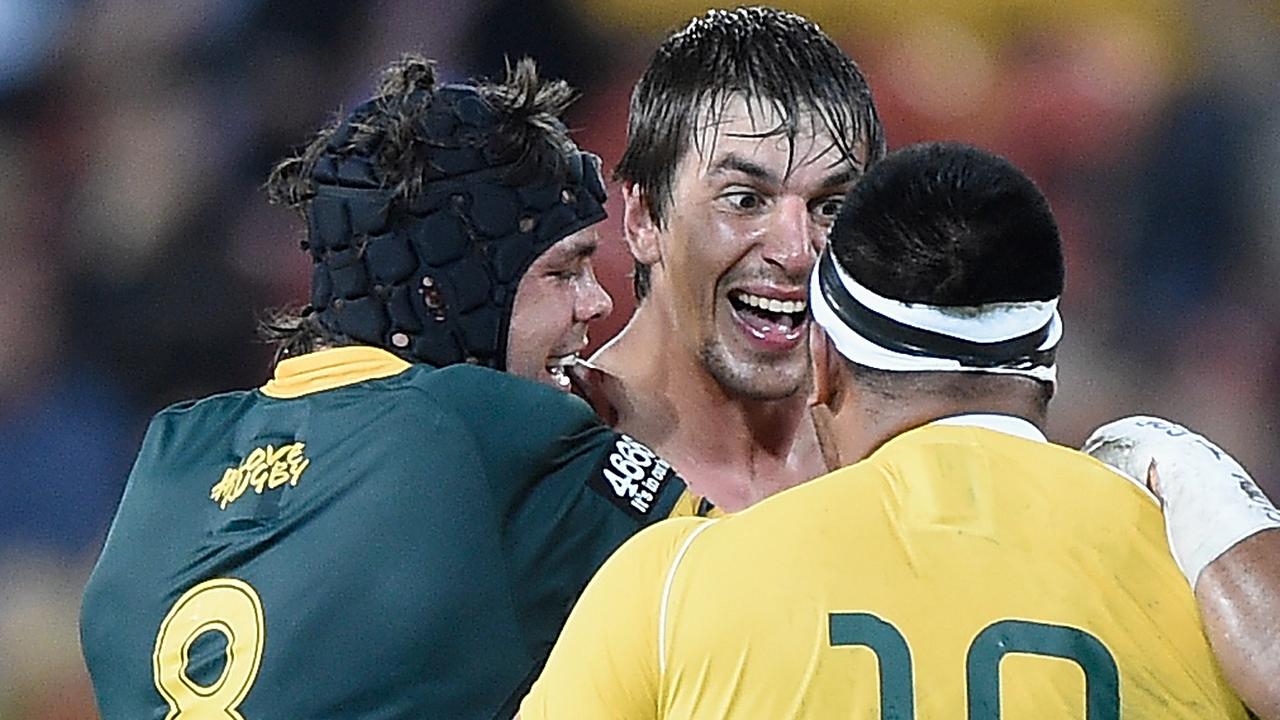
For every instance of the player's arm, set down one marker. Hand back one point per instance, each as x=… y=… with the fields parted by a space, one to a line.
x=532 y=434
x=1239 y=597
x=1225 y=535
x=605 y=665
x=570 y=489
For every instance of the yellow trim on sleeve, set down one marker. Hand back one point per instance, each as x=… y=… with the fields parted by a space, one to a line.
x=690 y=505
x=333 y=368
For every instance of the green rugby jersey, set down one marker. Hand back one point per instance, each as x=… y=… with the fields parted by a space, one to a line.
x=360 y=538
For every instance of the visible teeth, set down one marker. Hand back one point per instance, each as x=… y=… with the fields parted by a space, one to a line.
x=558 y=368
x=560 y=376
x=562 y=361
x=772 y=304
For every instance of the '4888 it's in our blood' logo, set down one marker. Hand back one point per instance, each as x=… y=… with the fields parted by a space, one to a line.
x=631 y=476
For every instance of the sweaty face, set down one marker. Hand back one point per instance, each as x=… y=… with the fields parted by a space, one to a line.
x=555 y=300
x=750 y=211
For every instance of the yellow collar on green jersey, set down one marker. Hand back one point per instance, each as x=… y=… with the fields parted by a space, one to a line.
x=328 y=369
x=1008 y=424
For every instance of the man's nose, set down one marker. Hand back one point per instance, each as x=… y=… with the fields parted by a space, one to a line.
x=794 y=238
x=593 y=302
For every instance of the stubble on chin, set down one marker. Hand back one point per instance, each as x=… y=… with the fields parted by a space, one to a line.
x=760 y=380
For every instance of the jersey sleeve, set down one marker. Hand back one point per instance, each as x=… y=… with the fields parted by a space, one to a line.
x=568 y=489
x=606 y=663
x=533 y=436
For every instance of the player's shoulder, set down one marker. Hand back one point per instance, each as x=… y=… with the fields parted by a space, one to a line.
x=934 y=440
x=662 y=544
x=189 y=429
x=495 y=398
x=1045 y=476
x=786 y=518
x=470 y=382
x=849 y=495
x=523 y=426
x=203 y=413
x=217 y=402
x=603 y=390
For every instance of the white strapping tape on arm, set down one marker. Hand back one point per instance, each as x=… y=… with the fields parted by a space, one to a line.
x=1210 y=501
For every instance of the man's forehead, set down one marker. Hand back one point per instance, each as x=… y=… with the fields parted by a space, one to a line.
x=739 y=124
x=741 y=112
x=582 y=242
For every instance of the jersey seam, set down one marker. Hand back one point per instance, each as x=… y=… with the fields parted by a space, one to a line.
x=666 y=596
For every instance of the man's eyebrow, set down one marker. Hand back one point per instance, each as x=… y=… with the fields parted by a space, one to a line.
x=578 y=248
x=736 y=163
x=733 y=162
x=842 y=177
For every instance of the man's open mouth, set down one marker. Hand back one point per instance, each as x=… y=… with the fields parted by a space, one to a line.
x=766 y=314
x=558 y=366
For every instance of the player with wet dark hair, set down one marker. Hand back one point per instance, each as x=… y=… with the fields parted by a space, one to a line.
x=782 y=59
x=954 y=563
x=746 y=130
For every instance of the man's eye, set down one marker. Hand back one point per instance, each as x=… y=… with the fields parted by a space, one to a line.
x=744 y=200
x=829 y=208
x=565 y=275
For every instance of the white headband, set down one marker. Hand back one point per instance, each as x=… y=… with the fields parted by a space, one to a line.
x=986 y=325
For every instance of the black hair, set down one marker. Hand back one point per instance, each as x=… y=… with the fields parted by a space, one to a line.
x=948 y=225
x=294 y=331
x=769 y=55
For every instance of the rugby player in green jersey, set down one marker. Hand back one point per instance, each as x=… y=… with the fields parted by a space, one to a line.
x=390 y=527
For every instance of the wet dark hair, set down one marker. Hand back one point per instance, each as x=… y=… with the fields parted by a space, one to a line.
x=949 y=225
x=770 y=56
x=394 y=132
x=294 y=332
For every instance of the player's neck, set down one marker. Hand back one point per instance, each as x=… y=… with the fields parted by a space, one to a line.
x=673 y=384
x=860 y=428
x=734 y=450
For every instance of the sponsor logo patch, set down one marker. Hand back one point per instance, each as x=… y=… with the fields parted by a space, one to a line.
x=631 y=476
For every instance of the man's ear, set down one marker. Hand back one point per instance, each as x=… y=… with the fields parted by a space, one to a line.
x=639 y=227
x=824 y=396
x=825 y=374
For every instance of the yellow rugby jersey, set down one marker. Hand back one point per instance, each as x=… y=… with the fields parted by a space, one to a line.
x=959 y=572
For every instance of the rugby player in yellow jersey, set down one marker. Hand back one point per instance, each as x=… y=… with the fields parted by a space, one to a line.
x=966 y=568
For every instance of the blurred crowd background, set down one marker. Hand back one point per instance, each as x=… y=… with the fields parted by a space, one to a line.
x=137 y=248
